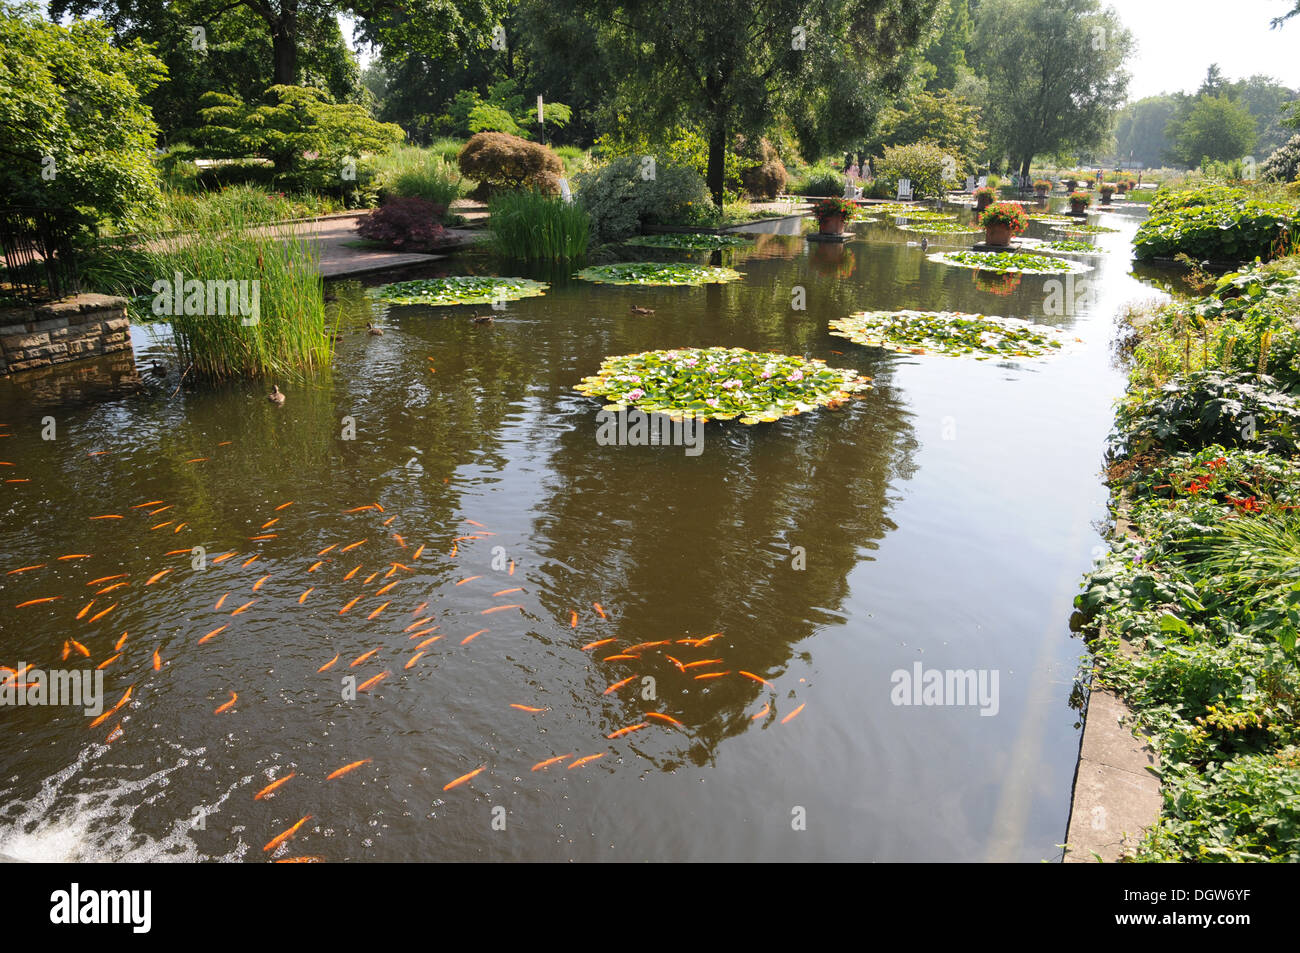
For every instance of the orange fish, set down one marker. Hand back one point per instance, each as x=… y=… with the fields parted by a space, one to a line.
x=529 y=708
x=361 y=658
x=416 y=554
x=587 y=760
x=107 y=516
x=512 y=568
x=108 y=661
x=176 y=552
x=300 y=860
x=161 y=525
x=617 y=685
x=214 y=633
x=179 y=528
x=32 y=602
x=761 y=714
x=352 y=546
x=412 y=660
x=279 y=839
x=350 y=604
x=505 y=592
x=221 y=601
x=155 y=577
x=99 y=615
x=327 y=549
x=472 y=636
x=454 y=550
x=371 y=683
x=252 y=539
x=228 y=705
x=708 y=639
x=112 y=711
x=258 y=585
x=627 y=731
x=499 y=609
x=550 y=761
x=360 y=509
x=329 y=664
x=792 y=714
x=707 y=661
x=380 y=592
x=120 y=642
x=573 y=619
x=283 y=506
x=307 y=592
x=401 y=542
x=599 y=610
x=418 y=622
x=197 y=460
x=249 y=561
x=352 y=573
x=598 y=644
x=366 y=581
x=223 y=557
x=761 y=681
x=116 y=585
x=157 y=661
x=389 y=520
x=348 y=767
x=85 y=609
x=269 y=523
x=468 y=579
x=473 y=523
x=315 y=566
x=79 y=647
x=140 y=506
x=379 y=610
x=640 y=646
x=243 y=607
x=615 y=658
x=114 y=734
x=463 y=778
x=426 y=641
x=67 y=649
x=93 y=582
x=665 y=718
x=708 y=675
x=161 y=509
x=420 y=608
x=74 y=556
x=272 y=786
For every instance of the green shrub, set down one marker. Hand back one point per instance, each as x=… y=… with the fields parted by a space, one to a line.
x=768 y=178
x=528 y=225
x=1233 y=230
x=931 y=170
x=501 y=161
x=412 y=172
x=820 y=180
x=1284 y=164
x=621 y=197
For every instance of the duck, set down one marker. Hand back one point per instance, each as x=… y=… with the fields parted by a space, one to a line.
x=372 y=329
x=925 y=244
x=275 y=396
x=481 y=318
x=636 y=309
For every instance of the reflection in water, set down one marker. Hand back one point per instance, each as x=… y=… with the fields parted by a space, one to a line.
x=944 y=517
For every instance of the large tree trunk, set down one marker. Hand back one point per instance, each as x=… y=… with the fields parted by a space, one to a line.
x=1024 y=166
x=284 y=44
x=717 y=159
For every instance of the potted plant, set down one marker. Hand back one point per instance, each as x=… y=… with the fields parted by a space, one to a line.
x=1001 y=221
x=832 y=213
x=1121 y=186
x=1042 y=187
x=984 y=197
x=1079 y=202
x=1107 y=190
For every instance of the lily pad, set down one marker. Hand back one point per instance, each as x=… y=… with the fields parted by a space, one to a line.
x=942 y=228
x=953 y=333
x=721 y=383
x=925 y=215
x=702 y=241
x=1071 y=246
x=1081 y=229
x=1007 y=263
x=657 y=273
x=465 y=289
x=1050 y=218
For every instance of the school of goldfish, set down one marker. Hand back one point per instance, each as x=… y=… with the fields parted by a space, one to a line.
x=403 y=634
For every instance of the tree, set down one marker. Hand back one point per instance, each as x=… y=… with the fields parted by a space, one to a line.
x=942 y=118
x=1140 y=130
x=74 y=133
x=1216 y=128
x=728 y=67
x=1055 y=72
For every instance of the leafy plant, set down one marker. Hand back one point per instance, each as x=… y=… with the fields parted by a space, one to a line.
x=657 y=273
x=409 y=171
x=471 y=289
x=621 y=195
x=501 y=161
x=692 y=241
x=948 y=332
x=1005 y=213
x=1235 y=230
x=1010 y=262
x=410 y=224
x=528 y=225
x=931 y=170
x=833 y=207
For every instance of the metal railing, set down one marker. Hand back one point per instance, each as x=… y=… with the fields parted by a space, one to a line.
x=36 y=257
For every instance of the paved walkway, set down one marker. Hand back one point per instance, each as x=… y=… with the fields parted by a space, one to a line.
x=335 y=237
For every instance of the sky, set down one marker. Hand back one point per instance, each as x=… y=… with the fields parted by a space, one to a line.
x=1178 y=39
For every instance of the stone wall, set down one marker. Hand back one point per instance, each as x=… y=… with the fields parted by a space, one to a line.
x=84 y=326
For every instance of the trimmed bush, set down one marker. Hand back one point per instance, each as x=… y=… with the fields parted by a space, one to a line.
x=503 y=162
x=620 y=198
x=768 y=178
x=930 y=169
x=411 y=224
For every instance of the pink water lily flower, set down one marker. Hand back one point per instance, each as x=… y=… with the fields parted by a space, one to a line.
x=795 y=375
x=635 y=394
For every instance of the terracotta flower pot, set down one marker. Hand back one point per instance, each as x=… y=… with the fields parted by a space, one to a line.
x=1040 y=190
x=831 y=225
x=983 y=202
x=1078 y=208
x=1122 y=187
x=999 y=234
x=1105 y=198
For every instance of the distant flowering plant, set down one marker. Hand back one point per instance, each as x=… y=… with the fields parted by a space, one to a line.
x=832 y=207
x=1080 y=196
x=1005 y=213
x=984 y=192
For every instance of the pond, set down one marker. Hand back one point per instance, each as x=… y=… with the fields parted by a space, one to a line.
x=940 y=522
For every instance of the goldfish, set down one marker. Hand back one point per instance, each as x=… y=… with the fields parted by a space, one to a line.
x=223 y=557
x=389 y=521
x=93 y=582
x=279 y=839
x=412 y=660
x=529 y=708
x=214 y=633
x=587 y=760
x=176 y=552
x=251 y=539
x=315 y=566
x=161 y=509
x=114 y=734
x=243 y=607
x=473 y=523
x=505 y=592
x=261 y=582
x=599 y=610
x=420 y=608
x=640 y=646
x=361 y=658
x=499 y=609
x=328 y=665
x=379 y=610
x=327 y=549
x=156 y=576
x=352 y=573
x=306 y=592
x=550 y=761
x=665 y=718
x=112 y=711
x=140 y=506
x=360 y=509
x=108 y=661
x=463 y=778
x=418 y=622
x=352 y=546
x=416 y=555
x=454 y=550
x=85 y=609
x=249 y=561
x=221 y=601
x=597 y=644
x=116 y=585
x=197 y=460
x=468 y=579
x=269 y=523
x=615 y=658
x=300 y=860
x=400 y=542
x=371 y=683
x=426 y=641
x=348 y=767
x=573 y=619
x=707 y=661
x=67 y=649
x=707 y=675
x=74 y=556
x=472 y=636
x=366 y=581
x=120 y=642
x=32 y=602
x=761 y=714
x=617 y=685
x=626 y=731
x=512 y=568
x=350 y=605
x=99 y=615
x=108 y=516
x=708 y=639
x=157 y=661
x=761 y=681
x=416 y=635
x=272 y=786
x=179 y=528
x=380 y=592
x=79 y=647
x=228 y=705
x=283 y=506
x=792 y=714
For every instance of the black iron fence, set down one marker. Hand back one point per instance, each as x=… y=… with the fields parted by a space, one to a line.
x=36 y=257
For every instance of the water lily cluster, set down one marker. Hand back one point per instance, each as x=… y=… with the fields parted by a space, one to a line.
x=702 y=241
x=658 y=273
x=1071 y=245
x=463 y=289
x=1010 y=262
x=949 y=332
x=1081 y=229
x=721 y=383
x=940 y=228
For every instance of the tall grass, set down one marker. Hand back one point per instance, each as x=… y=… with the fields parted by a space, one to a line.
x=528 y=225
x=408 y=171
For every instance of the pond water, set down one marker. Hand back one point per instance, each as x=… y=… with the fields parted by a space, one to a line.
x=943 y=520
